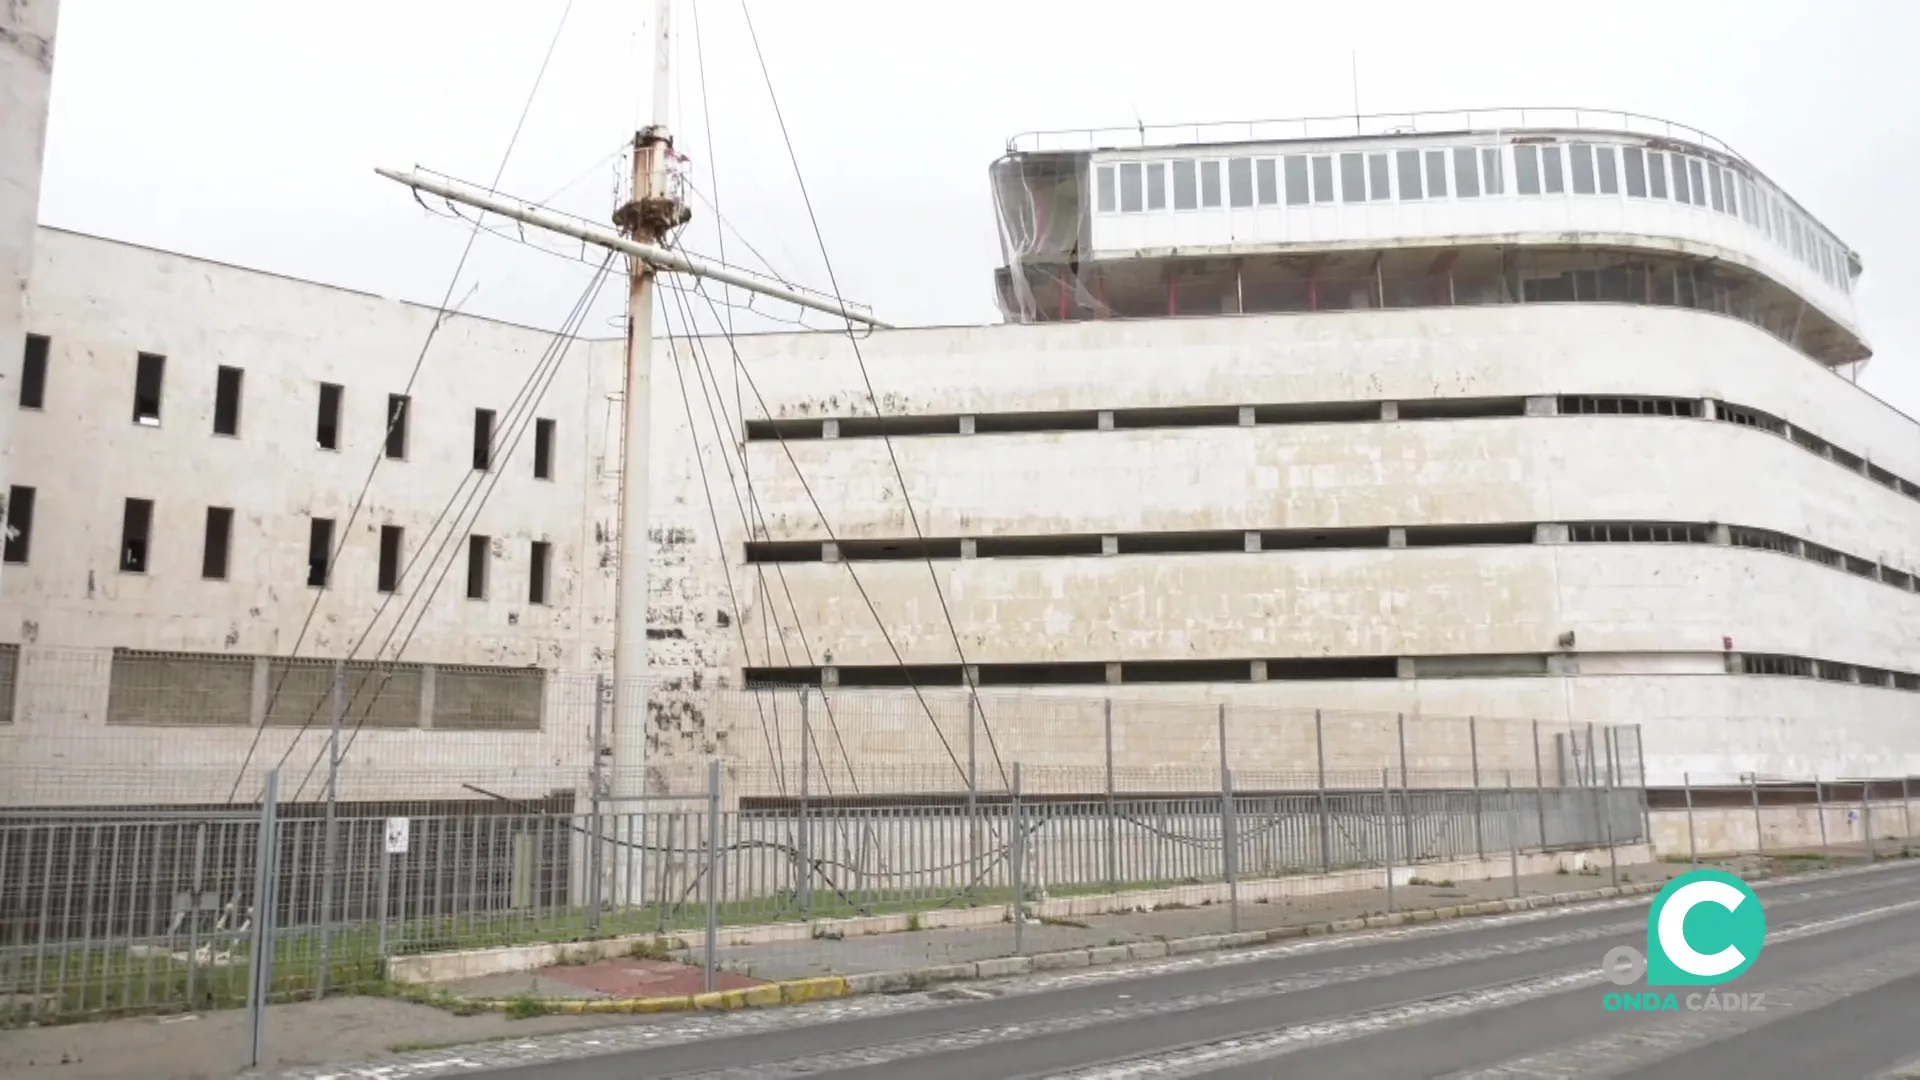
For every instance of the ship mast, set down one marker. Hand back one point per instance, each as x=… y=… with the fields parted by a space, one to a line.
x=646 y=223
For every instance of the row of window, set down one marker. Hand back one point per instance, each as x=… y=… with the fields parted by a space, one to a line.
x=1542 y=167
x=150 y=376
x=136 y=548
x=1075 y=545
x=854 y=427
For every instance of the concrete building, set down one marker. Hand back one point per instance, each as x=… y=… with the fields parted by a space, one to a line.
x=1543 y=422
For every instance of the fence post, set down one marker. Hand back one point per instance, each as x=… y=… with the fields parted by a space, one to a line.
x=339 y=712
x=1386 y=827
x=1113 y=835
x=1406 y=822
x=1473 y=752
x=1613 y=850
x=1866 y=817
x=711 y=960
x=1693 y=848
x=1017 y=870
x=1513 y=837
x=260 y=964
x=1906 y=812
x=1539 y=787
x=804 y=842
x=1759 y=832
x=596 y=783
x=1646 y=806
x=1820 y=811
x=1229 y=830
x=1326 y=826
x=973 y=794
x=1591 y=780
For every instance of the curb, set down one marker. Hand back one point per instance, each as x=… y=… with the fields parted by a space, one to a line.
x=796 y=991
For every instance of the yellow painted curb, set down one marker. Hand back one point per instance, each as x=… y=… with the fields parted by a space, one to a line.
x=790 y=992
x=795 y=991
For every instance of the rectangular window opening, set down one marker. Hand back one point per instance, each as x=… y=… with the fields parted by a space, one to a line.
x=1468 y=535
x=1186 y=188
x=1157 y=185
x=1716 y=184
x=540 y=557
x=1583 y=175
x=868 y=427
x=326 y=433
x=896 y=550
x=136 y=531
x=1266 y=182
x=1656 y=174
x=1408 y=163
x=1104 y=186
x=1323 y=179
x=1462 y=408
x=319 y=551
x=1697 y=182
x=1552 y=180
x=19 y=543
x=1437 y=173
x=479 y=548
x=482 y=439
x=226 y=401
x=1181 y=543
x=1526 y=169
x=1011 y=423
x=1295 y=169
x=1239 y=182
x=398 y=405
x=213 y=551
x=33 y=372
x=1682 y=191
x=1132 y=192
x=1493 y=173
x=1353 y=178
x=1603 y=164
x=390 y=540
x=1466 y=172
x=149 y=372
x=1015 y=547
x=1210 y=184
x=543 y=449
x=1379 y=177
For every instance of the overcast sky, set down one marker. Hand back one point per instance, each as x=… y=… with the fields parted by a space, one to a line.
x=247 y=130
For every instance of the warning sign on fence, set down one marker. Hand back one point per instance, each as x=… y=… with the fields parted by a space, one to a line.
x=397 y=829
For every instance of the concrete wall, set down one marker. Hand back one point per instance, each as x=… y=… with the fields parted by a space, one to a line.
x=1650 y=620
x=26 y=85
x=1724 y=830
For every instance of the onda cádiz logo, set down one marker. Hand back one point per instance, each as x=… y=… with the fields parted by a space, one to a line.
x=1705 y=928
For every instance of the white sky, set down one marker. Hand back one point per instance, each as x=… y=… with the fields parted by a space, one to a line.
x=247 y=130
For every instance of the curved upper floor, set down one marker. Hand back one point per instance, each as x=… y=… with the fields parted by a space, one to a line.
x=1302 y=200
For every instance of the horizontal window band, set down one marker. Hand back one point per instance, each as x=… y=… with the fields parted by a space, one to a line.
x=1286 y=669
x=1341 y=412
x=1264 y=541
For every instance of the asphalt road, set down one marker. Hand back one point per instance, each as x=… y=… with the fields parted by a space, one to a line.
x=1513 y=996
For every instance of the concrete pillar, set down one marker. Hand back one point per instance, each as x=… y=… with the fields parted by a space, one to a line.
x=429 y=690
x=1403 y=668
x=829 y=552
x=1113 y=673
x=1548 y=532
x=262 y=689
x=829 y=677
x=1106 y=419
x=829 y=429
x=973 y=674
x=1253 y=540
x=1109 y=545
x=1246 y=416
x=1709 y=409
x=1257 y=670
x=1719 y=534
x=1389 y=410
x=969 y=549
x=1543 y=406
x=966 y=425
x=1563 y=664
x=1396 y=537
x=26 y=79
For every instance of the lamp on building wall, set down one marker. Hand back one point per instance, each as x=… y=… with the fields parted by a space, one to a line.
x=1566 y=640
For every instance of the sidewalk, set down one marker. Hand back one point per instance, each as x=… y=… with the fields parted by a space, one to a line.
x=359 y=1029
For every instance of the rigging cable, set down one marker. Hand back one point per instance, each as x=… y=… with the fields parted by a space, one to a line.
x=394 y=418
x=853 y=339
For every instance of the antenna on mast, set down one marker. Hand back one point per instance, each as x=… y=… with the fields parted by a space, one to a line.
x=1353 y=63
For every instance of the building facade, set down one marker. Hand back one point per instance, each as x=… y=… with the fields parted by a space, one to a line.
x=1547 y=421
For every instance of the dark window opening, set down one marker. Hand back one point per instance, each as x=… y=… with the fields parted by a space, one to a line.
x=1584 y=405
x=1186 y=671
x=862 y=427
x=1467 y=535
x=1637 y=532
x=909 y=675
x=1861 y=567
x=1181 y=543
x=1004 y=547
x=1769 y=664
x=226 y=401
x=783 y=551
x=479 y=549
x=213 y=553
x=319 y=551
x=398 y=405
x=327 y=426
x=1832 y=671
x=888 y=550
x=543 y=449
x=1042 y=674
x=1314 y=412
x=1295 y=169
x=1322 y=539
x=149 y=372
x=1310 y=669
x=19 y=544
x=1762 y=540
x=782 y=430
x=763 y=678
x=1011 y=423
x=541 y=556
x=1191 y=416
x=1479 y=667
x=390 y=540
x=33 y=372
x=136 y=530
x=482 y=439
x=1462 y=408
